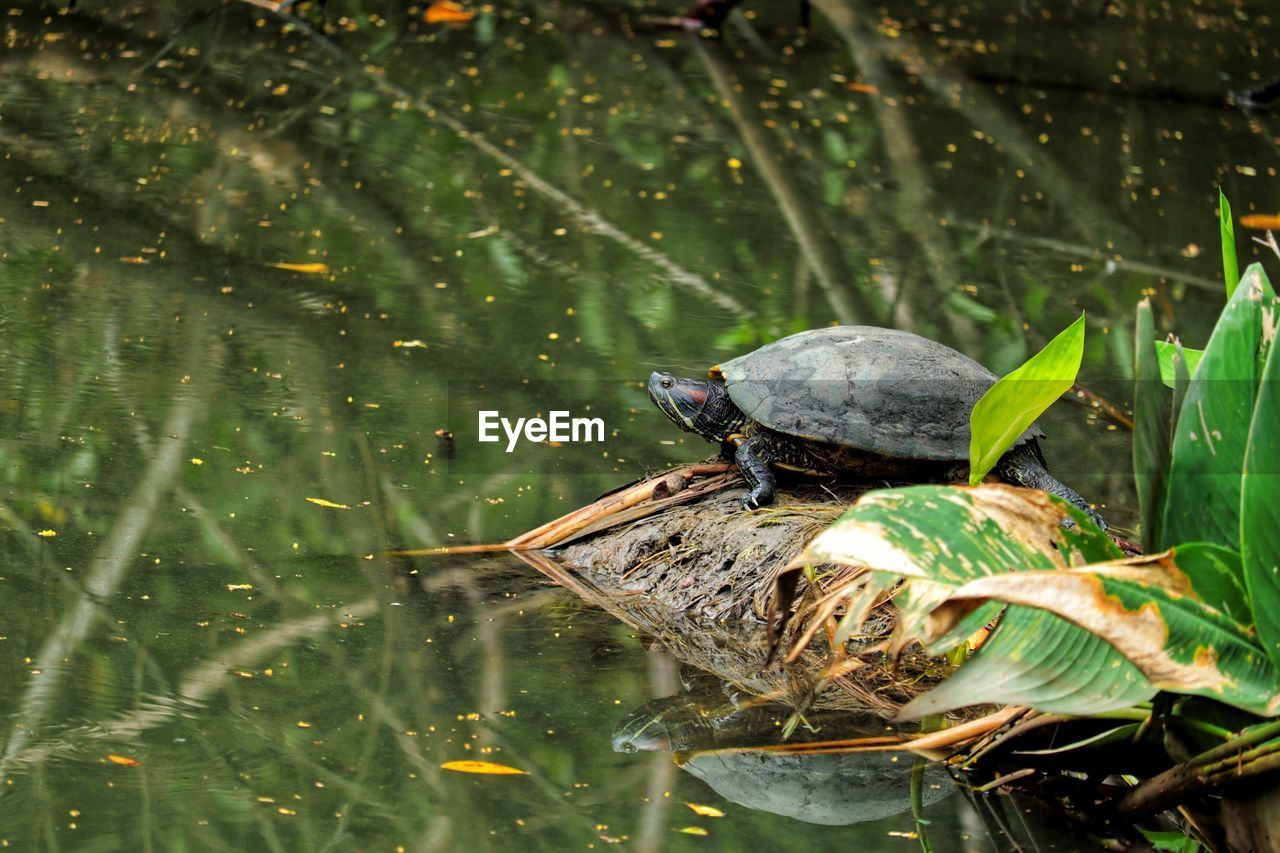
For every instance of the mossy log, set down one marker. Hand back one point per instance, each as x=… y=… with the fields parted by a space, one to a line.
x=689 y=568
x=709 y=559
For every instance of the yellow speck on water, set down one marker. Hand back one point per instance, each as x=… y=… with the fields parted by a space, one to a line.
x=195 y=460
x=705 y=811
x=48 y=534
x=734 y=163
x=325 y=503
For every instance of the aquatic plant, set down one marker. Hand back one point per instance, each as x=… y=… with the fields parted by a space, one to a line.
x=1081 y=628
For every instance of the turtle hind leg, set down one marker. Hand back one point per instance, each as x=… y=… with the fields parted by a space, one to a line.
x=1025 y=466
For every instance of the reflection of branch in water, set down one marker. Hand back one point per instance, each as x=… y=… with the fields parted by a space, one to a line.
x=913 y=211
x=815 y=243
x=112 y=561
x=589 y=218
x=201 y=682
x=957 y=91
x=664 y=680
x=1112 y=261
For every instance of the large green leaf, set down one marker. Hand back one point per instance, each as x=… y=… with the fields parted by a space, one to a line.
x=1230 y=267
x=1150 y=429
x=941 y=537
x=1147 y=609
x=1014 y=403
x=1164 y=357
x=1260 y=501
x=1217 y=576
x=1181 y=382
x=1036 y=659
x=1203 y=503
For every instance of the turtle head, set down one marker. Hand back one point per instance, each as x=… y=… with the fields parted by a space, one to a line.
x=696 y=405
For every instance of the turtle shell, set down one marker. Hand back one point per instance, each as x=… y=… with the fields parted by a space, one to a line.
x=878 y=390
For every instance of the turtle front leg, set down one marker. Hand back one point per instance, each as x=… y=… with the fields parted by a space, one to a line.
x=753 y=458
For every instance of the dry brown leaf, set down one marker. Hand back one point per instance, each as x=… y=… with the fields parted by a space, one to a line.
x=446 y=12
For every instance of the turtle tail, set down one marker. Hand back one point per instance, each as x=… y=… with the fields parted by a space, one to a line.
x=1025 y=466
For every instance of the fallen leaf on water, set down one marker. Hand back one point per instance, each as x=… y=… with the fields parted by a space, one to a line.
x=446 y=12
x=865 y=88
x=125 y=760
x=330 y=504
x=705 y=811
x=482 y=767
x=1261 y=221
x=693 y=830
x=308 y=269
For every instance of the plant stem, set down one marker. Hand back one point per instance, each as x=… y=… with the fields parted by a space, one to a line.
x=1229 y=761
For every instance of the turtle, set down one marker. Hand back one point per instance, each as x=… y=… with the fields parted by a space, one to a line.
x=861 y=401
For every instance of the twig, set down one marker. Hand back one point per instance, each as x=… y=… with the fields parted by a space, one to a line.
x=1085 y=397
x=1089 y=253
x=1270 y=243
x=1000 y=781
x=1174 y=784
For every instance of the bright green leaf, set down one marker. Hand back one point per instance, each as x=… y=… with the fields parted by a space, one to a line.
x=1230 y=268
x=1203 y=503
x=1164 y=355
x=1013 y=404
x=1171 y=841
x=1260 y=502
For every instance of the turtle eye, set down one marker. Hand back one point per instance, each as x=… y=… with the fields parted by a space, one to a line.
x=668 y=382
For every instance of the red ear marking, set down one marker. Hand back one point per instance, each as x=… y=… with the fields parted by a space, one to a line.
x=695 y=394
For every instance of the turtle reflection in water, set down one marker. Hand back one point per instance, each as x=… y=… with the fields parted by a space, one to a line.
x=860 y=400
x=715 y=743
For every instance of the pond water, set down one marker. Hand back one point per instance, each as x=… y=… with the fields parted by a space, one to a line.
x=255 y=266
